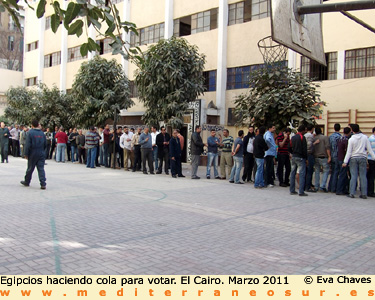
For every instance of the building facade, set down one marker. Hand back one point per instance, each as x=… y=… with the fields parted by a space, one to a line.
x=227 y=32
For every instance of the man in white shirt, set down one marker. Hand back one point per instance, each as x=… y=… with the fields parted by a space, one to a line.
x=358 y=146
x=154 y=133
x=101 y=150
x=125 y=144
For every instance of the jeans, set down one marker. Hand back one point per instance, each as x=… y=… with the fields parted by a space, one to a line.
x=283 y=161
x=194 y=164
x=155 y=156
x=259 y=179
x=236 y=170
x=370 y=177
x=343 y=181
x=212 y=157
x=91 y=156
x=310 y=171
x=248 y=161
x=226 y=159
x=358 y=167
x=74 y=153
x=335 y=166
x=101 y=155
x=270 y=170
x=60 y=155
x=105 y=154
x=321 y=162
x=298 y=163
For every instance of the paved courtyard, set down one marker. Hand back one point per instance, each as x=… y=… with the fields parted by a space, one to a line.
x=104 y=221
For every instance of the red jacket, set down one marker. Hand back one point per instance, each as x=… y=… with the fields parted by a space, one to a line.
x=61 y=137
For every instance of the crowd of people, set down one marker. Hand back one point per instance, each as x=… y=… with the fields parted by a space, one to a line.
x=342 y=157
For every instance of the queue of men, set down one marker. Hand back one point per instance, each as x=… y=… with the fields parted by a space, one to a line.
x=343 y=157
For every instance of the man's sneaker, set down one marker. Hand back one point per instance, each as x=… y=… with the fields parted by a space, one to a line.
x=293 y=193
x=270 y=186
x=324 y=190
x=371 y=195
x=217 y=177
x=239 y=182
x=181 y=175
x=145 y=172
x=304 y=194
x=283 y=185
x=231 y=181
x=42 y=187
x=174 y=176
x=311 y=190
x=195 y=177
x=24 y=183
x=363 y=196
x=350 y=196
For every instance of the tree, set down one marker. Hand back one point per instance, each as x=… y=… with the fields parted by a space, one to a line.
x=280 y=96
x=80 y=15
x=169 y=78
x=50 y=107
x=100 y=87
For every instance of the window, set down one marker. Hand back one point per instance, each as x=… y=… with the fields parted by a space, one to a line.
x=11 y=25
x=147 y=35
x=105 y=46
x=75 y=54
x=239 y=12
x=31 y=81
x=260 y=9
x=317 y=71
x=360 y=63
x=52 y=59
x=232 y=119
x=11 y=43
x=199 y=22
x=238 y=78
x=48 y=22
x=32 y=46
x=133 y=89
x=210 y=80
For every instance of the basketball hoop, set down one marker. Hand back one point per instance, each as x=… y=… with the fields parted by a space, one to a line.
x=271 y=51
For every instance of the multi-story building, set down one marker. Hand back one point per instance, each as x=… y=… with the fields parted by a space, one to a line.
x=227 y=32
x=11 y=55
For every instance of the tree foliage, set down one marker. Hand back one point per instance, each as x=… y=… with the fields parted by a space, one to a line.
x=170 y=77
x=280 y=96
x=49 y=106
x=100 y=87
x=78 y=16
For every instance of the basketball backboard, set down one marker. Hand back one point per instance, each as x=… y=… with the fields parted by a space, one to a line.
x=302 y=34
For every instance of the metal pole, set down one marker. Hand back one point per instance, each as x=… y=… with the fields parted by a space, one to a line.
x=114 y=141
x=332 y=7
x=359 y=21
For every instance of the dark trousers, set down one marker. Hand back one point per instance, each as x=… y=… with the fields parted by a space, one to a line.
x=370 y=177
x=121 y=153
x=248 y=160
x=52 y=149
x=309 y=171
x=137 y=158
x=105 y=154
x=4 y=152
x=47 y=150
x=163 y=156
x=15 y=148
x=335 y=169
x=81 y=155
x=147 y=157
x=36 y=160
x=343 y=180
x=68 y=151
x=283 y=161
x=97 y=156
x=269 y=170
x=176 y=166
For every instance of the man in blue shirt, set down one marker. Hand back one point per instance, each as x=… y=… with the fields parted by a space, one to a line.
x=36 y=144
x=213 y=143
x=335 y=165
x=269 y=156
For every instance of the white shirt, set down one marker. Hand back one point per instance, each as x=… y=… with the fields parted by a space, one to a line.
x=123 y=140
x=153 y=137
x=250 y=146
x=101 y=138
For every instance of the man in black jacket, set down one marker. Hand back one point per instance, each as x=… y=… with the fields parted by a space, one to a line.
x=196 y=151
x=35 y=153
x=260 y=147
x=162 y=141
x=175 y=154
x=298 y=148
x=248 y=154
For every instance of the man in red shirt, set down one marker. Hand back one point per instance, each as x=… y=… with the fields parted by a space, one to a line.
x=61 y=140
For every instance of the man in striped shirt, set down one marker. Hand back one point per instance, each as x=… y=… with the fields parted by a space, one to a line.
x=92 y=141
x=226 y=154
